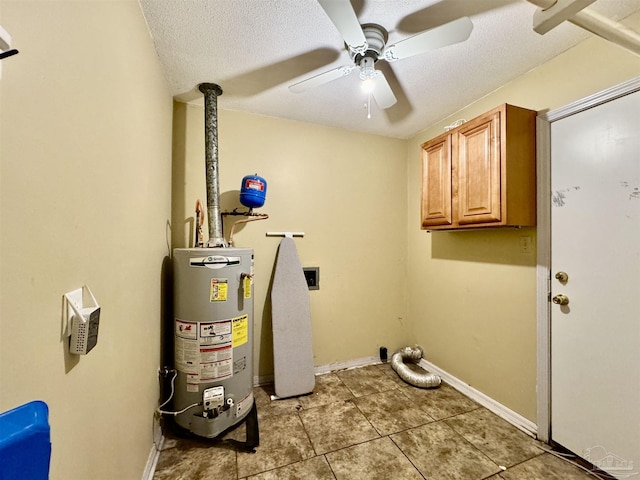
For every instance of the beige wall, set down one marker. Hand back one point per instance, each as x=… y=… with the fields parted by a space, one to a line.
x=469 y=298
x=84 y=198
x=344 y=190
x=472 y=294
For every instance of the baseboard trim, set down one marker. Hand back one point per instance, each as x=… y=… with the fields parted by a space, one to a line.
x=262 y=380
x=152 y=461
x=357 y=363
x=322 y=369
x=514 y=418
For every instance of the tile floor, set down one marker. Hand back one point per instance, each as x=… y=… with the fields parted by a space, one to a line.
x=368 y=424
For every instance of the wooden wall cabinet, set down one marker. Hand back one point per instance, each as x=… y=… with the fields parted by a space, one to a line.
x=482 y=173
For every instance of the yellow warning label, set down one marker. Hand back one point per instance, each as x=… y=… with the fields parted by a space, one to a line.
x=247 y=287
x=219 y=289
x=240 y=330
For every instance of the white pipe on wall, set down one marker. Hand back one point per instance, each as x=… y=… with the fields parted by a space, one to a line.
x=5 y=39
x=609 y=30
x=600 y=25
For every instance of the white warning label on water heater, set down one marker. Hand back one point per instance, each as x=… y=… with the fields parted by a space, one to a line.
x=215 y=333
x=193 y=382
x=186 y=353
x=214 y=371
x=215 y=354
x=215 y=351
x=204 y=350
x=187 y=330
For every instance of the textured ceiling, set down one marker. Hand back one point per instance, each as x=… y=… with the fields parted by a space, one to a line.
x=255 y=49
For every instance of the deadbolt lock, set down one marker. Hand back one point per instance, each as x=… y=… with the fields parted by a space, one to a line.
x=562 y=277
x=560 y=299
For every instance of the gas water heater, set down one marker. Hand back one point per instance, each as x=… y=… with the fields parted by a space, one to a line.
x=213 y=316
x=213 y=321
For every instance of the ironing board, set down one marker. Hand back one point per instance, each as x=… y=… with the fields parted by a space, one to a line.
x=291 y=321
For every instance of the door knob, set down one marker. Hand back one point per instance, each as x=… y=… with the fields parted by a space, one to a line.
x=560 y=299
x=562 y=277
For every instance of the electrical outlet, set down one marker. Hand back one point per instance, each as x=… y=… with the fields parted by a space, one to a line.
x=526 y=244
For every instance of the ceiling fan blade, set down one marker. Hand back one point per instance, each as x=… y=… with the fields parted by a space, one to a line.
x=341 y=13
x=321 y=79
x=382 y=92
x=447 y=34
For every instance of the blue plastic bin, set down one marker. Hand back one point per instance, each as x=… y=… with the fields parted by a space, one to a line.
x=25 y=445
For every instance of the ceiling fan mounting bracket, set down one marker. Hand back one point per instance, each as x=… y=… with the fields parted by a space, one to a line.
x=376 y=36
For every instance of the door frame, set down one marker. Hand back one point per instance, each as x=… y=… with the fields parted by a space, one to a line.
x=543 y=267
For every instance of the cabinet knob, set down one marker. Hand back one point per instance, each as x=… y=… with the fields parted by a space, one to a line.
x=560 y=299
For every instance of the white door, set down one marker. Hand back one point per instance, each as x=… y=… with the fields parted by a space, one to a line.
x=595 y=241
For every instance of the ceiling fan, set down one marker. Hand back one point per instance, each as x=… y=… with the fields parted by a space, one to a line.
x=367 y=44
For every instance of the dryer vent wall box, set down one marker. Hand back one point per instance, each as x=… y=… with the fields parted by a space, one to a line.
x=84 y=331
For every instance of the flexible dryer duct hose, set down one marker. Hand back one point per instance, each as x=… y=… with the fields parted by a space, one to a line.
x=421 y=380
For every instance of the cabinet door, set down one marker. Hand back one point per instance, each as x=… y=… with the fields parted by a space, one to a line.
x=436 y=182
x=477 y=150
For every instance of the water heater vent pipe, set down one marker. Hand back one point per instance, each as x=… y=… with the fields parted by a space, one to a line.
x=211 y=92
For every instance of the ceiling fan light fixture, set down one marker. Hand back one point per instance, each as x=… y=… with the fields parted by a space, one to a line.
x=367 y=69
x=367 y=85
x=367 y=74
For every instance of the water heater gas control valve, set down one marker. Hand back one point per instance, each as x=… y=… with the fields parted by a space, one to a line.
x=212 y=398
